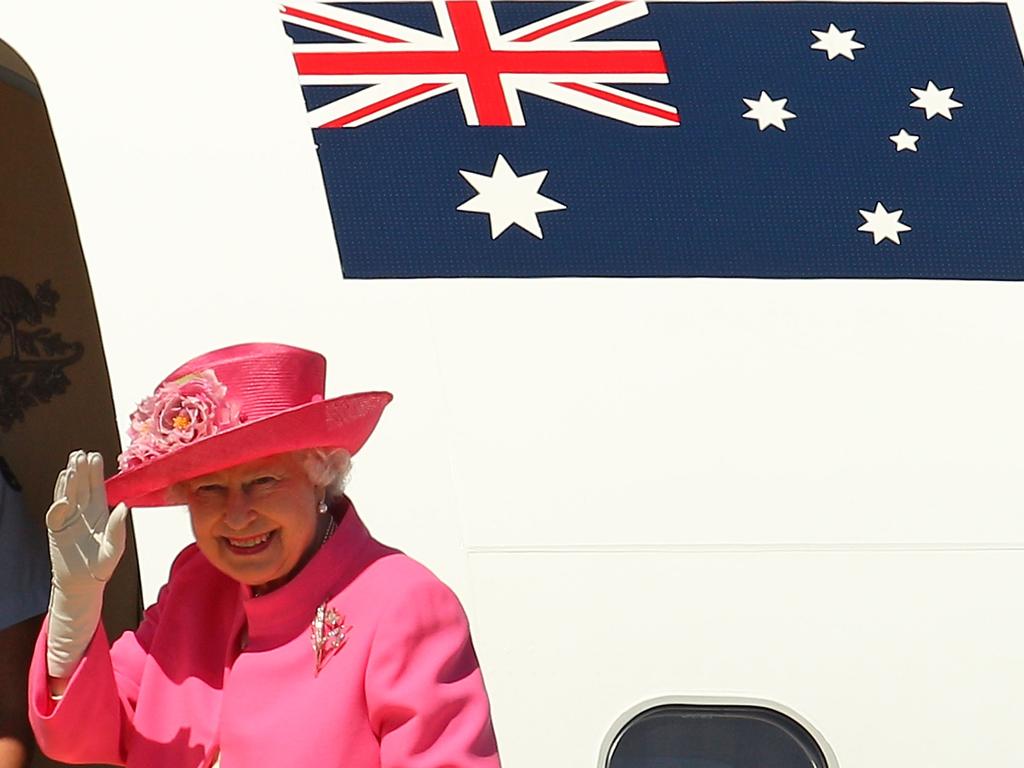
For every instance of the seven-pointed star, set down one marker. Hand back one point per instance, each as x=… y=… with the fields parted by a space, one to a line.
x=904 y=140
x=836 y=43
x=883 y=224
x=935 y=101
x=509 y=199
x=768 y=112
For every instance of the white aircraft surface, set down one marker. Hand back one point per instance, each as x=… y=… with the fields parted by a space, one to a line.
x=801 y=496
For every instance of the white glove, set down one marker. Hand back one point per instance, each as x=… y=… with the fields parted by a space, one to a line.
x=86 y=542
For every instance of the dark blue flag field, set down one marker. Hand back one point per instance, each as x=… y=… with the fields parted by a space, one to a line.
x=628 y=139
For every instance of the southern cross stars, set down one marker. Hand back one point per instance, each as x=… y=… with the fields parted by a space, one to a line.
x=509 y=199
x=883 y=224
x=836 y=43
x=904 y=140
x=768 y=112
x=935 y=101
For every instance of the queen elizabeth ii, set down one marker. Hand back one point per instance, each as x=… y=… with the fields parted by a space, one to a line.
x=286 y=635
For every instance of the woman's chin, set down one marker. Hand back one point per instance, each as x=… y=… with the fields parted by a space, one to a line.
x=251 y=577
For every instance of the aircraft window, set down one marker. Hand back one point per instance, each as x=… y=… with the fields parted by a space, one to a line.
x=716 y=736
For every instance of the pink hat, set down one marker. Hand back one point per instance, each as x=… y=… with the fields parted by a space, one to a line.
x=231 y=406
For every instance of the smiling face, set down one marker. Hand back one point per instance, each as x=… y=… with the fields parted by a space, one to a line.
x=257 y=522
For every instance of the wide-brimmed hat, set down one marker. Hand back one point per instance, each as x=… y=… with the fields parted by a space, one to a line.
x=231 y=406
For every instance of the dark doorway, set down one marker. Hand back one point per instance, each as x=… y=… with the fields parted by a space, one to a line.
x=54 y=387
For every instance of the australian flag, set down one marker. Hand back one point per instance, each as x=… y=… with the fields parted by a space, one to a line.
x=470 y=138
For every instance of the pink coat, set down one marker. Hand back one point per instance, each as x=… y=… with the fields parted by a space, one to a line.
x=403 y=691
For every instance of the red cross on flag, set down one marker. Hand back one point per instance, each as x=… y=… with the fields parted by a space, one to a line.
x=401 y=65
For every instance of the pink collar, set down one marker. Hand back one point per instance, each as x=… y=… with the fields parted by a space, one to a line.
x=285 y=613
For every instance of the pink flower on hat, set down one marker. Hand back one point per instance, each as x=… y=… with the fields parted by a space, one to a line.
x=180 y=412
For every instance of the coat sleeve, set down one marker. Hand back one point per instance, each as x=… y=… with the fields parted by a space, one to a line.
x=92 y=722
x=424 y=690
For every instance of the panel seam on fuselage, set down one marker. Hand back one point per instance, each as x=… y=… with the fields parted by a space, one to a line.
x=791 y=547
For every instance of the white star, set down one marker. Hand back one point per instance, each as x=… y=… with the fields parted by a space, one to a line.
x=904 y=140
x=509 y=199
x=883 y=224
x=768 y=111
x=935 y=101
x=836 y=43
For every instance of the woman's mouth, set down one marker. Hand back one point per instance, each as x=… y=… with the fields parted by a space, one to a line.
x=249 y=545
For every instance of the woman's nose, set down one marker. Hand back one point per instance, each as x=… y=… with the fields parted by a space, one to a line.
x=238 y=514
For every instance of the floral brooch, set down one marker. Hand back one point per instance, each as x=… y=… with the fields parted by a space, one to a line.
x=328 y=633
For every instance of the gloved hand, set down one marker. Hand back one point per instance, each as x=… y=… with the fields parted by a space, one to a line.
x=86 y=543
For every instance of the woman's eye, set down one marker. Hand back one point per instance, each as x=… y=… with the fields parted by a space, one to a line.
x=209 y=488
x=264 y=481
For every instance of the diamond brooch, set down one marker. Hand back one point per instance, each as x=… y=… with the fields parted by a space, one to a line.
x=328 y=633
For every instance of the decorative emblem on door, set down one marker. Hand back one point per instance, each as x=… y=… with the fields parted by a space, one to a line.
x=32 y=360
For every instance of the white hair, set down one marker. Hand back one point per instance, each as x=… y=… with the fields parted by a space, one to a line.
x=326 y=468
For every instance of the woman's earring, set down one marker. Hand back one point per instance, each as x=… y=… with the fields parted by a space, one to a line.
x=322 y=507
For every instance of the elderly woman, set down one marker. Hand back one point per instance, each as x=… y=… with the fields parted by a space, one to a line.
x=286 y=635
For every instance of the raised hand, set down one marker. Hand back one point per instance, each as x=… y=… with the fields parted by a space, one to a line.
x=86 y=543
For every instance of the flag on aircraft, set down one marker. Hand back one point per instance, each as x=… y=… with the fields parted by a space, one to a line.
x=470 y=138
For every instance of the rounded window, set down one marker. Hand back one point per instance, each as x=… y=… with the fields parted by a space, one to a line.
x=714 y=736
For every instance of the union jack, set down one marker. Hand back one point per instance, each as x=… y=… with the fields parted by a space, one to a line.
x=402 y=65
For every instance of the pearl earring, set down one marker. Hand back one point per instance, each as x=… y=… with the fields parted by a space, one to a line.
x=322 y=507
